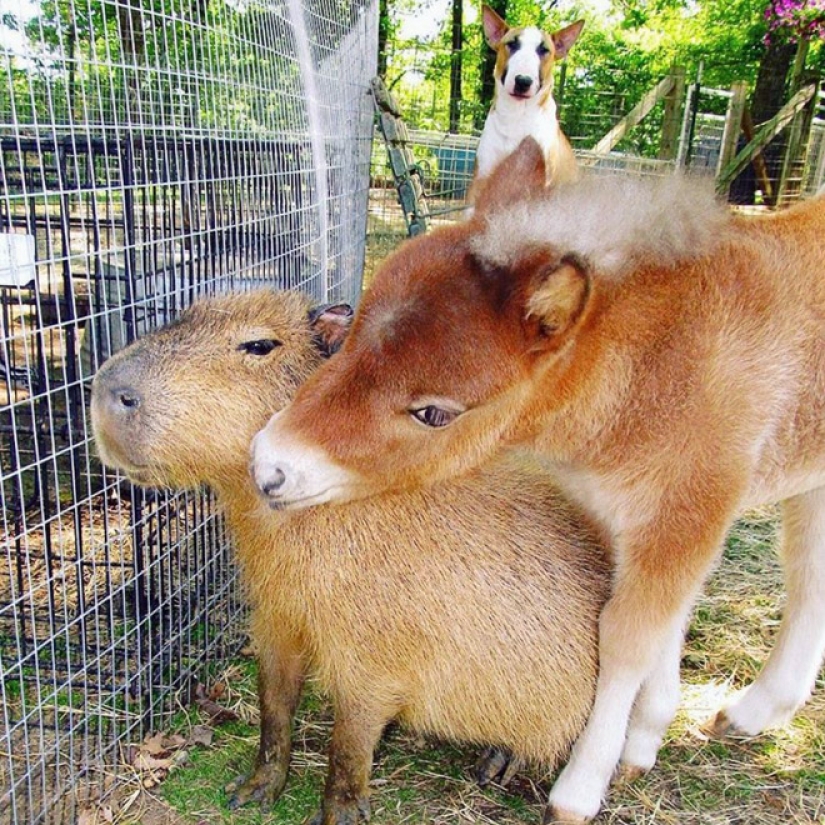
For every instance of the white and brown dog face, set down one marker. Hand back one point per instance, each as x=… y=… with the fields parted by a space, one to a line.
x=526 y=56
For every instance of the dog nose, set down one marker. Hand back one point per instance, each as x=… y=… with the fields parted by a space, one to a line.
x=522 y=82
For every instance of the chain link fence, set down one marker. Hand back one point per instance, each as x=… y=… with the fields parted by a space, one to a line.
x=150 y=152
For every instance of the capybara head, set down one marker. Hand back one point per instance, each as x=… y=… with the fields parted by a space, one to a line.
x=448 y=342
x=180 y=406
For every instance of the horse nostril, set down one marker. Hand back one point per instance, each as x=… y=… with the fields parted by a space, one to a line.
x=272 y=486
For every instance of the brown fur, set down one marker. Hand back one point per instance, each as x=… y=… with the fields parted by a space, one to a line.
x=666 y=357
x=468 y=610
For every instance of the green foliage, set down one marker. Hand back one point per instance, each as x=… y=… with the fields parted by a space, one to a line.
x=621 y=54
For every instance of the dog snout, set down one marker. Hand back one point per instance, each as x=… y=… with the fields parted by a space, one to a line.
x=522 y=83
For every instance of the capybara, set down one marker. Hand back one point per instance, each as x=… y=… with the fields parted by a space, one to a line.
x=667 y=359
x=468 y=610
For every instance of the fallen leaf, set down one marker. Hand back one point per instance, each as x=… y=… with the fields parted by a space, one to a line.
x=147 y=762
x=201 y=735
x=155 y=745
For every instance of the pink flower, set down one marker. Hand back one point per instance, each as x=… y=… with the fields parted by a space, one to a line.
x=795 y=19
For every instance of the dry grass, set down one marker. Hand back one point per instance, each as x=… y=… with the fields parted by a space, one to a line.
x=774 y=779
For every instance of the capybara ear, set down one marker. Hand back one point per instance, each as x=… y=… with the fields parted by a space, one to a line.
x=557 y=296
x=520 y=174
x=564 y=39
x=330 y=323
x=494 y=27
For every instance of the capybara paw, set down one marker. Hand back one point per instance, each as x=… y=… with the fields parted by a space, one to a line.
x=341 y=814
x=264 y=786
x=553 y=815
x=496 y=765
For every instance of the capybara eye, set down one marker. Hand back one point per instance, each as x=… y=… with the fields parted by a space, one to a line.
x=434 y=416
x=262 y=347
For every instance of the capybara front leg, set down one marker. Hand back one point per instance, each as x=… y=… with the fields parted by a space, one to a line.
x=280 y=678
x=355 y=735
x=497 y=765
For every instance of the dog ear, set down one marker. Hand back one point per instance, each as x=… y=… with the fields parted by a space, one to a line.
x=494 y=27
x=564 y=39
x=520 y=174
x=330 y=324
x=557 y=296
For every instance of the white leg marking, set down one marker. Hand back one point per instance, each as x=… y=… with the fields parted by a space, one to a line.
x=655 y=707
x=788 y=676
x=581 y=786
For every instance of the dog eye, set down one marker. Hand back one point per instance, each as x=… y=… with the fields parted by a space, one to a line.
x=542 y=51
x=262 y=347
x=433 y=416
x=513 y=46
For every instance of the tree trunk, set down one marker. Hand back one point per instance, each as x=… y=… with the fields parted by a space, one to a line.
x=487 y=64
x=455 y=65
x=384 y=28
x=768 y=97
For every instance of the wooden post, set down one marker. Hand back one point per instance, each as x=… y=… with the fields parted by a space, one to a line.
x=733 y=126
x=764 y=134
x=672 y=119
x=793 y=155
x=634 y=116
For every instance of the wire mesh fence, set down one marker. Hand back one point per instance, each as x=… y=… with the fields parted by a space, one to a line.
x=443 y=162
x=150 y=152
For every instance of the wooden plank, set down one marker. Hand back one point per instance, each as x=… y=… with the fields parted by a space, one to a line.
x=759 y=165
x=733 y=125
x=672 y=120
x=634 y=116
x=764 y=135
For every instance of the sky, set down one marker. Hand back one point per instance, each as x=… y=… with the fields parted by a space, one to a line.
x=428 y=18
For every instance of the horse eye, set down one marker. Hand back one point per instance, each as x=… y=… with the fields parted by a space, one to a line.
x=433 y=416
x=262 y=347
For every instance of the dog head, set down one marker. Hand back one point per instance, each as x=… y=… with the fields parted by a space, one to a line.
x=524 y=66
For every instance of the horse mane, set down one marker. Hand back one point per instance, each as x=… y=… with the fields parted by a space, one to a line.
x=615 y=223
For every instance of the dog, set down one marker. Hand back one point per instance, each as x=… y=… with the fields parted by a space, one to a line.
x=523 y=104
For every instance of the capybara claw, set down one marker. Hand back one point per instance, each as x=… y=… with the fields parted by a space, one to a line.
x=558 y=816
x=264 y=786
x=496 y=765
x=342 y=814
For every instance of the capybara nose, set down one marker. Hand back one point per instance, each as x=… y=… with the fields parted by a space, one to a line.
x=522 y=82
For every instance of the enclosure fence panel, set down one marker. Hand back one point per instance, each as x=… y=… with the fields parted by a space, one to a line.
x=150 y=152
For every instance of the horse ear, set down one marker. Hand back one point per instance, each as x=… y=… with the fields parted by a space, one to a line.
x=557 y=297
x=520 y=174
x=494 y=27
x=564 y=39
x=330 y=324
